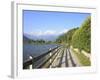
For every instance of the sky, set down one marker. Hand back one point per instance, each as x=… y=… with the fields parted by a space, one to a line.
x=50 y=23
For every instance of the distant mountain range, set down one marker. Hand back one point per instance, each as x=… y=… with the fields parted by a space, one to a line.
x=27 y=37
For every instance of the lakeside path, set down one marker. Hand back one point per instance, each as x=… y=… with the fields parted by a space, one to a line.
x=66 y=58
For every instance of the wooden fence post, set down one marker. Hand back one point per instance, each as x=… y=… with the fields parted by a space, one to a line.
x=50 y=58
x=30 y=66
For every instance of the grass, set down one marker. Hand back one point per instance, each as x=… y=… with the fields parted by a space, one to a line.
x=82 y=59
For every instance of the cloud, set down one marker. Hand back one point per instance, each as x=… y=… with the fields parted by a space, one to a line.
x=48 y=32
x=63 y=31
x=40 y=33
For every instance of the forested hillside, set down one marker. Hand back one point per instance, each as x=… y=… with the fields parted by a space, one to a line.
x=82 y=37
x=78 y=37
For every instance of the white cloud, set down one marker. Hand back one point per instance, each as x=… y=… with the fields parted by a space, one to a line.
x=48 y=32
x=39 y=33
x=63 y=31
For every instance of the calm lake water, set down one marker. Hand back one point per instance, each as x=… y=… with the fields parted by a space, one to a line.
x=36 y=50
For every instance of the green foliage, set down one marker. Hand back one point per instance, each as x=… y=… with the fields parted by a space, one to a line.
x=69 y=35
x=37 y=41
x=82 y=58
x=81 y=39
x=66 y=37
x=78 y=37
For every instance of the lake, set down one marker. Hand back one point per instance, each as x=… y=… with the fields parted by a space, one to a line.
x=36 y=50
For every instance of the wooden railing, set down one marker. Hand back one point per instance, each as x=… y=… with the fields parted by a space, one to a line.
x=45 y=59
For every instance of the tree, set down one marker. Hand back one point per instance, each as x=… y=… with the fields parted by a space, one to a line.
x=66 y=37
x=81 y=39
x=69 y=35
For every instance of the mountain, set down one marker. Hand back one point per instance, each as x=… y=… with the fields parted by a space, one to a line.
x=44 y=37
x=25 y=39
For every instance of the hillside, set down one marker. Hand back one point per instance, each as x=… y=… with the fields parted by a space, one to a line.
x=82 y=37
x=78 y=37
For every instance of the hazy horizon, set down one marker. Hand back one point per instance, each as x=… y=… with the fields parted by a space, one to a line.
x=46 y=23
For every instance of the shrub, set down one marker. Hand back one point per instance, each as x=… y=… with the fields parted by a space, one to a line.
x=81 y=39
